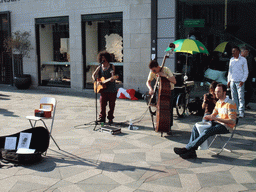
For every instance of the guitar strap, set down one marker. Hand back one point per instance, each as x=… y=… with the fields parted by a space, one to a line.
x=100 y=73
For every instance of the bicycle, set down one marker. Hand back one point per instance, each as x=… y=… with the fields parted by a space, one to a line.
x=180 y=101
x=182 y=98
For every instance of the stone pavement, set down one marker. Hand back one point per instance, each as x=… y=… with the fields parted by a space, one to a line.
x=135 y=160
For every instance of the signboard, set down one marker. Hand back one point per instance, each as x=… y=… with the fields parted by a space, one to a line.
x=194 y=22
x=8 y=1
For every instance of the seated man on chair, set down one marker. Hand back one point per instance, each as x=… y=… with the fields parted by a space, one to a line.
x=223 y=120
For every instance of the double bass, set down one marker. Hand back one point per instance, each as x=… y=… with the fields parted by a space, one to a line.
x=163 y=101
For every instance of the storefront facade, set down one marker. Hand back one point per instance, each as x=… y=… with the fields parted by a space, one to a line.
x=213 y=22
x=67 y=35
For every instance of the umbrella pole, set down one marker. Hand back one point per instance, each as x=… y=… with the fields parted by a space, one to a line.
x=186 y=69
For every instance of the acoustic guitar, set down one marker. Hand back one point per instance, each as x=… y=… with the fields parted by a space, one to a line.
x=100 y=84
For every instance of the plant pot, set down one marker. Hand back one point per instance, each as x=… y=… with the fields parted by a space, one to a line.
x=22 y=81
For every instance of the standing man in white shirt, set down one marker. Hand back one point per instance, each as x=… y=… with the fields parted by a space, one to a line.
x=237 y=75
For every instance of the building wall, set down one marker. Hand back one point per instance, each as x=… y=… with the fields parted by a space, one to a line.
x=92 y=42
x=165 y=30
x=136 y=32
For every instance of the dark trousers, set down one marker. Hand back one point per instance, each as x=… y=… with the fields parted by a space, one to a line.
x=171 y=109
x=110 y=99
x=248 y=91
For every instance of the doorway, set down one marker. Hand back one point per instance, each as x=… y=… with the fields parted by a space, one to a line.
x=102 y=32
x=6 y=76
x=53 y=50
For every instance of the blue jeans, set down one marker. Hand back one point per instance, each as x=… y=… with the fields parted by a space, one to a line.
x=197 y=139
x=237 y=94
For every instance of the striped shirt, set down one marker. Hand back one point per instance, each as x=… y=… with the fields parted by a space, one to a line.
x=226 y=110
x=238 y=69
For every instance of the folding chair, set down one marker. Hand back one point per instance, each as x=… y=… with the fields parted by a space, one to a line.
x=45 y=102
x=225 y=142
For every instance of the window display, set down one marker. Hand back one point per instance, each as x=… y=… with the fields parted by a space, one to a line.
x=54 y=54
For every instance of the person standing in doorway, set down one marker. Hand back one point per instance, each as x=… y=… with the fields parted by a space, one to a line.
x=108 y=94
x=237 y=75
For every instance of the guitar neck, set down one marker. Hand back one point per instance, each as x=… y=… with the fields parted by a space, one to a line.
x=109 y=79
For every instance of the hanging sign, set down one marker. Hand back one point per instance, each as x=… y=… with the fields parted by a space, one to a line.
x=194 y=22
x=8 y=1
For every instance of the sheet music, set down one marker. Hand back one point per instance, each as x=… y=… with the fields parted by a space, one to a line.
x=24 y=141
x=25 y=151
x=10 y=143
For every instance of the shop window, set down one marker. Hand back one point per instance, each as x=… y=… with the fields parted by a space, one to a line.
x=54 y=49
x=225 y=21
x=5 y=57
x=60 y=42
x=102 y=32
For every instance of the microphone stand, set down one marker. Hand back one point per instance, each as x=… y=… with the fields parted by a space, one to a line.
x=96 y=98
x=96 y=121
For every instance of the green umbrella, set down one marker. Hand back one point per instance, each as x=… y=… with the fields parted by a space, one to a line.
x=188 y=46
x=221 y=47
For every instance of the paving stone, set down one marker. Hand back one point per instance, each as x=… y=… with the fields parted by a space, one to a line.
x=96 y=187
x=250 y=186
x=126 y=158
x=27 y=186
x=215 y=179
x=173 y=181
x=136 y=160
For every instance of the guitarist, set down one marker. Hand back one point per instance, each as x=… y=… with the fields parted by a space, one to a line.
x=108 y=94
x=155 y=71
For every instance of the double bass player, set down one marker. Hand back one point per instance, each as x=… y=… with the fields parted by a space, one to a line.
x=163 y=72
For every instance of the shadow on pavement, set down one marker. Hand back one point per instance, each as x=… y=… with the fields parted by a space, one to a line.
x=68 y=159
x=5 y=112
x=4 y=97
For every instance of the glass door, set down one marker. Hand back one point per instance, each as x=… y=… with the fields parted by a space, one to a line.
x=102 y=32
x=54 y=51
x=6 y=76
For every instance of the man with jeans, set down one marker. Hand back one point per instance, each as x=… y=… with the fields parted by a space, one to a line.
x=223 y=120
x=237 y=75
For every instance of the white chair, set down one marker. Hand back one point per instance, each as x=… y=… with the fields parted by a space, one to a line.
x=225 y=141
x=45 y=102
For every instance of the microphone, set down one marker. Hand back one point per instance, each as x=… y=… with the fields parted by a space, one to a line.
x=102 y=61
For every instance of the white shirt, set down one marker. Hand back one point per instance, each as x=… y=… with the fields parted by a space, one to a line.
x=166 y=70
x=238 y=69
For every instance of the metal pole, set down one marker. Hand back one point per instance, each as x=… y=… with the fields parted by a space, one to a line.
x=226 y=14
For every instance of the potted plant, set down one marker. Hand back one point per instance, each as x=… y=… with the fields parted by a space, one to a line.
x=19 y=45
